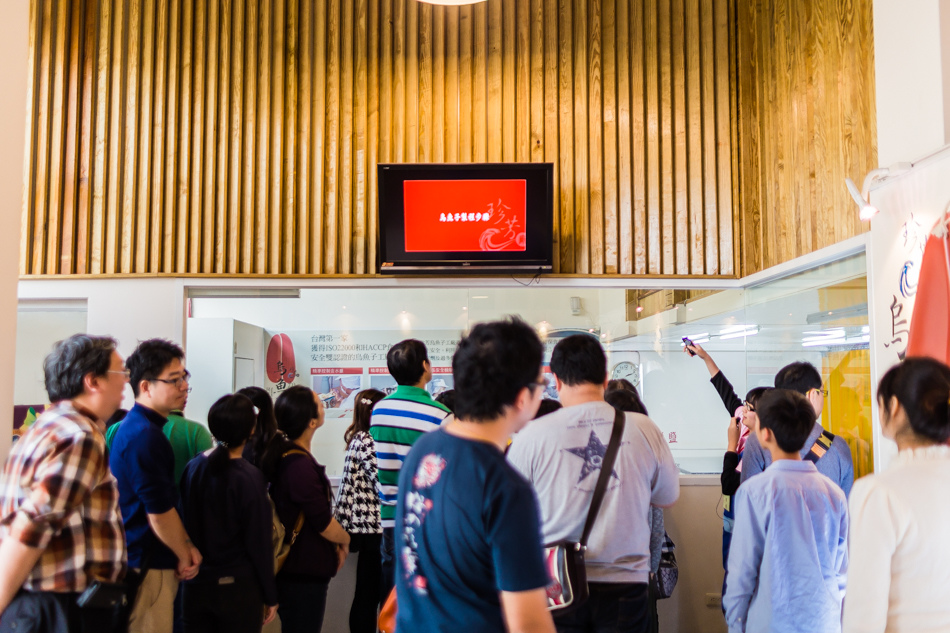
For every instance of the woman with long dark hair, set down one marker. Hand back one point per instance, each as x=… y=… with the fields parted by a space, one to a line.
x=299 y=486
x=265 y=428
x=227 y=515
x=900 y=555
x=357 y=510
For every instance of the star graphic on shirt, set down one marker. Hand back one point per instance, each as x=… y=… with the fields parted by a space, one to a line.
x=593 y=456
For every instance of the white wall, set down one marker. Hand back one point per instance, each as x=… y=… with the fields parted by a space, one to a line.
x=911 y=77
x=37 y=331
x=130 y=310
x=14 y=29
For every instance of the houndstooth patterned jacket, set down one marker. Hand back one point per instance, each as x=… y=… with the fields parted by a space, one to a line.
x=357 y=504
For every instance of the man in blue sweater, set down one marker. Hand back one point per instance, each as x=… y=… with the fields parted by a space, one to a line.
x=143 y=464
x=830 y=453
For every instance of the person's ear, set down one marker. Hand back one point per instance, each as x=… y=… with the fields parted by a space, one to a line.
x=557 y=383
x=90 y=383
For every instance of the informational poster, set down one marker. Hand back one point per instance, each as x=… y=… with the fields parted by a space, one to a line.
x=910 y=206
x=339 y=364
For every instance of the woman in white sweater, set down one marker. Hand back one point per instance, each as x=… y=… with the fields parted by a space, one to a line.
x=899 y=575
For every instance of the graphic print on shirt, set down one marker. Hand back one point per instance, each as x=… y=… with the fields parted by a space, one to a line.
x=418 y=506
x=593 y=456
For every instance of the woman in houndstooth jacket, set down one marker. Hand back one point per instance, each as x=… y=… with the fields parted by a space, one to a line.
x=357 y=510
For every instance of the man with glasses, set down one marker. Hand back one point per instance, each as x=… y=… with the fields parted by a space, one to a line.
x=143 y=463
x=830 y=453
x=561 y=455
x=59 y=504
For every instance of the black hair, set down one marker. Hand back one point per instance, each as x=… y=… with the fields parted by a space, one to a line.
x=117 y=417
x=620 y=383
x=492 y=365
x=626 y=401
x=265 y=428
x=579 y=359
x=447 y=399
x=150 y=359
x=362 y=412
x=800 y=376
x=230 y=420
x=548 y=405
x=752 y=397
x=294 y=409
x=405 y=359
x=71 y=360
x=789 y=415
x=922 y=386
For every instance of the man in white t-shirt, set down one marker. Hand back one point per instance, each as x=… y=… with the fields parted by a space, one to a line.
x=561 y=454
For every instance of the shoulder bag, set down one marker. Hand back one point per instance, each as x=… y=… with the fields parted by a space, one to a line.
x=565 y=563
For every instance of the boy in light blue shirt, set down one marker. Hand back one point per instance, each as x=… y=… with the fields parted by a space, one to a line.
x=788 y=562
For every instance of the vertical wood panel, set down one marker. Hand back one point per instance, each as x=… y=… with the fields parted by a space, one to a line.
x=610 y=165
x=241 y=136
x=667 y=230
x=680 y=168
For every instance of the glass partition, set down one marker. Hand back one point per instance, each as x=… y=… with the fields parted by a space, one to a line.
x=335 y=341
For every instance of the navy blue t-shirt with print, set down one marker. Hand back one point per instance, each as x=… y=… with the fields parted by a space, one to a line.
x=467 y=527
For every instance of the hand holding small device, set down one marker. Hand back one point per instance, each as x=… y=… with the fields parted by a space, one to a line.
x=733 y=434
x=688 y=343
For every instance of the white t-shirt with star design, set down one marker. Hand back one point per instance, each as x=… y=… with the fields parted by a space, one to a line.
x=561 y=454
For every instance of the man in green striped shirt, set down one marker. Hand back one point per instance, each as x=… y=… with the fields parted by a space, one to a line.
x=398 y=421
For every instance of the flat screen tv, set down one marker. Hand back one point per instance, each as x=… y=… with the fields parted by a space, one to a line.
x=477 y=218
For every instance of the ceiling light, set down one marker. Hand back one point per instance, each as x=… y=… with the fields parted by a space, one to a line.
x=738 y=331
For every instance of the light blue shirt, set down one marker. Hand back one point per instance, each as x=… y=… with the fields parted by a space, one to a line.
x=789 y=555
x=836 y=464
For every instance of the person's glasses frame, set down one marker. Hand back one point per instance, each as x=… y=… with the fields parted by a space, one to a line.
x=124 y=372
x=177 y=383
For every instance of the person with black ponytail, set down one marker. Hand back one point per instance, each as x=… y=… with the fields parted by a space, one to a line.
x=357 y=510
x=899 y=550
x=299 y=485
x=227 y=515
x=265 y=428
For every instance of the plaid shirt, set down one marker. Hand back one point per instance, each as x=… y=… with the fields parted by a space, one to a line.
x=58 y=494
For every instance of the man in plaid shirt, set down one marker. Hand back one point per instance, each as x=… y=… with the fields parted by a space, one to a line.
x=59 y=504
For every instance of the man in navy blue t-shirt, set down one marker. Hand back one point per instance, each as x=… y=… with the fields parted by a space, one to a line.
x=468 y=534
x=143 y=463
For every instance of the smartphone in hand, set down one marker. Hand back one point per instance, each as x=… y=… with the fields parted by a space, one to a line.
x=688 y=343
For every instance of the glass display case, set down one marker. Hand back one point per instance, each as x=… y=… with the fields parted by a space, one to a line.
x=334 y=340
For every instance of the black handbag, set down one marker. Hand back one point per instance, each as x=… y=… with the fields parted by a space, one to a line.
x=564 y=561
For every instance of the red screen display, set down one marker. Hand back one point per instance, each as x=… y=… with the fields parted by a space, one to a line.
x=464 y=215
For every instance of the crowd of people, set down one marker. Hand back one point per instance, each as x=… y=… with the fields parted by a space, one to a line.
x=153 y=524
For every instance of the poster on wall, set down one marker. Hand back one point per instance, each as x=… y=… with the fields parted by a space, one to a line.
x=910 y=206
x=339 y=363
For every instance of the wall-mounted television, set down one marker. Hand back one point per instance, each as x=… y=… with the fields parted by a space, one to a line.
x=476 y=218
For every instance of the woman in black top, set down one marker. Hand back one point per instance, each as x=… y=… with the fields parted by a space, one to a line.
x=299 y=485
x=228 y=517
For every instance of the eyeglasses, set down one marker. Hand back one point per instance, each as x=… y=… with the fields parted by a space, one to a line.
x=749 y=406
x=823 y=392
x=532 y=385
x=124 y=372
x=175 y=382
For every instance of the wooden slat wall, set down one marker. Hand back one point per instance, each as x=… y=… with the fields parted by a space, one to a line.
x=241 y=136
x=805 y=95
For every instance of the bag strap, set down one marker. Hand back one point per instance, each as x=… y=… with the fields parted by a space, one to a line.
x=822 y=445
x=298 y=524
x=606 y=470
